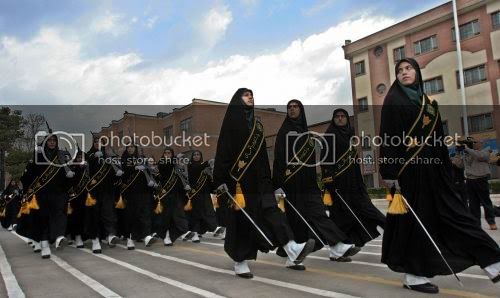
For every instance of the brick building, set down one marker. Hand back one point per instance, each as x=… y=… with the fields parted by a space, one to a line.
x=429 y=38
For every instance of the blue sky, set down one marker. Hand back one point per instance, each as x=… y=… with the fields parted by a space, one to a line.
x=68 y=47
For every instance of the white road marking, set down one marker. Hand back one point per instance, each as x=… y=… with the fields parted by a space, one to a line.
x=155 y=276
x=306 y=289
x=9 y=279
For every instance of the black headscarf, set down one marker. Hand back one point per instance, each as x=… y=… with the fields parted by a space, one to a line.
x=343 y=134
x=130 y=159
x=51 y=153
x=93 y=150
x=414 y=91
x=166 y=165
x=195 y=167
x=300 y=124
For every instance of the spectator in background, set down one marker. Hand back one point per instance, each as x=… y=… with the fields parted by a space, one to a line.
x=477 y=172
x=458 y=176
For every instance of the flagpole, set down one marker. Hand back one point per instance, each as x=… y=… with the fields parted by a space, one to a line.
x=460 y=69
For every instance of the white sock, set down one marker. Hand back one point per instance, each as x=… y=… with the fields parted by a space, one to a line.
x=339 y=249
x=413 y=280
x=78 y=240
x=96 y=244
x=195 y=237
x=293 y=249
x=241 y=267
x=492 y=270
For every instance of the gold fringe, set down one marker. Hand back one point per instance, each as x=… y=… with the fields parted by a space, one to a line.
x=90 y=201
x=2 y=214
x=215 y=202
x=159 y=208
x=70 y=210
x=33 y=205
x=188 y=206
x=25 y=209
x=397 y=205
x=20 y=213
x=120 y=204
x=281 y=204
x=239 y=197
x=327 y=198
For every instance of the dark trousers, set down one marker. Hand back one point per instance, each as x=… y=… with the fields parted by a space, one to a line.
x=100 y=219
x=49 y=222
x=479 y=194
x=137 y=215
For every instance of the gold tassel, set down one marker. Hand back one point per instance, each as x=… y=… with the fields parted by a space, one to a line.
x=397 y=205
x=281 y=204
x=388 y=195
x=70 y=210
x=159 y=208
x=33 y=205
x=327 y=198
x=120 y=204
x=20 y=213
x=239 y=197
x=2 y=214
x=188 y=206
x=215 y=202
x=90 y=201
x=25 y=209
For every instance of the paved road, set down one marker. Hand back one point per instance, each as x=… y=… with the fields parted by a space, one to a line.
x=189 y=269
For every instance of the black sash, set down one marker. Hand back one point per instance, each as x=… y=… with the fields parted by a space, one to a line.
x=80 y=187
x=42 y=180
x=98 y=177
x=199 y=185
x=299 y=160
x=249 y=151
x=167 y=188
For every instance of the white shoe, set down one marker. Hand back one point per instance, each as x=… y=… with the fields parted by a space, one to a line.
x=291 y=265
x=195 y=238
x=148 y=240
x=167 y=241
x=112 y=240
x=242 y=270
x=37 y=247
x=130 y=244
x=9 y=228
x=493 y=272
x=297 y=252
x=96 y=246
x=60 y=242
x=14 y=226
x=339 y=249
x=79 y=241
x=45 y=249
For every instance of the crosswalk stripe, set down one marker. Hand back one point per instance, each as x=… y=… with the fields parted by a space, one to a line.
x=306 y=289
x=9 y=279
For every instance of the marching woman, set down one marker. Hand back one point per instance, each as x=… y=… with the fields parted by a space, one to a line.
x=294 y=175
x=412 y=131
x=49 y=195
x=137 y=196
x=170 y=219
x=242 y=172
x=344 y=182
x=24 y=217
x=100 y=213
x=76 y=201
x=203 y=217
x=10 y=203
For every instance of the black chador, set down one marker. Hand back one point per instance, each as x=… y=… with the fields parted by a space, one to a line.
x=100 y=212
x=10 y=203
x=202 y=214
x=24 y=216
x=242 y=165
x=137 y=195
x=344 y=176
x=169 y=218
x=76 y=201
x=408 y=114
x=49 y=195
x=294 y=175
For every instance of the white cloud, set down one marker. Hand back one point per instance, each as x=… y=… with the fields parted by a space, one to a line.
x=51 y=68
x=151 y=21
x=214 y=24
x=109 y=23
x=318 y=6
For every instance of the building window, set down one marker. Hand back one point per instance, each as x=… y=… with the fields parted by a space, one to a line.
x=379 y=50
x=433 y=86
x=473 y=75
x=480 y=123
x=359 y=68
x=368 y=180
x=467 y=30
x=168 y=132
x=363 y=104
x=495 y=20
x=399 y=53
x=381 y=89
x=425 y=45
x=446 y=130
x=366 y=142
x=186 y=125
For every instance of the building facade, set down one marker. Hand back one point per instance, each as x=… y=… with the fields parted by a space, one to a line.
x=429 y=38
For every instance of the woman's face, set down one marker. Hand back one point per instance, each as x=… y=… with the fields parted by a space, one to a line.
x=247 y=98
x=167 y=154
x=97 y=144
x=51 y=142
x=196 y=156
x=131 y=150
x=340 y=119
x=406 y=74
x=293 y=110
